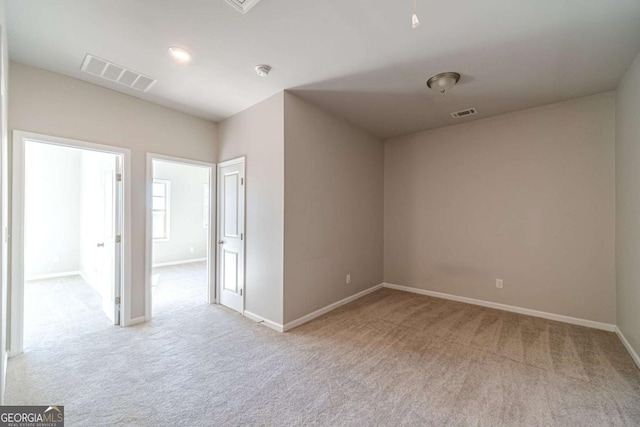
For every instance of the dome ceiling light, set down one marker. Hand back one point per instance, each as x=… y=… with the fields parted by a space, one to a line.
x=443 y=82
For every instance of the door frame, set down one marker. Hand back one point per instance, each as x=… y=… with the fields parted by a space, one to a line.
x=211 y=296
x=243 y=161
x=16 y=342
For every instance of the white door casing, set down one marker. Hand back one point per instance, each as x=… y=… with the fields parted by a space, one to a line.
x=123 y=226
x=231 y=222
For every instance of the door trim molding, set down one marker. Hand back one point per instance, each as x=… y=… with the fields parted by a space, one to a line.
x=16 y=342
x=211 y=235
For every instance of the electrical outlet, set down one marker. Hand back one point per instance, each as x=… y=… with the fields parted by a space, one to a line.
x=499 y=283
x=348 y=278
x=191 y=249
x=56 y=259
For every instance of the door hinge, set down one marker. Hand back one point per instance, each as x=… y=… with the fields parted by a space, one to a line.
x=118 y=239
x=118 y=177
x=118 y=300
x=241 y=236
x=241 y=181
x=240 y=291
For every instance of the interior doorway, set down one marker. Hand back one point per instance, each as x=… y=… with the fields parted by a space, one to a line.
x=68 y=235
x=180 y=234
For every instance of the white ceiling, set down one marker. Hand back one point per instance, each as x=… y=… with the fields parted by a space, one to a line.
x=358 y=58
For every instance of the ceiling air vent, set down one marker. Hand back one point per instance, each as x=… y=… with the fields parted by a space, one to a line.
x=116 y=73
x=464 y=113
x=243 y=6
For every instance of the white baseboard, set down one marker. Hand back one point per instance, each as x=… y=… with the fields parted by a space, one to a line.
x=304 y=319
x=52 y=276
x=514 y=309
x=184 y=261
x=136 y=320
x=630 y=349
x=268 y=323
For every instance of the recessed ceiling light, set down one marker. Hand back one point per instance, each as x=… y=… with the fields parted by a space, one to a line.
x=180 y=54
x=263 y=70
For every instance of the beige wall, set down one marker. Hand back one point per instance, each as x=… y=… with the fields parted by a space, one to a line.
x=628 y=204
x=527 y=197
x=333 y=209
x=257 y=133
x=53 y=104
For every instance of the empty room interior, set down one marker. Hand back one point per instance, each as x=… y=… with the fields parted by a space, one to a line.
x=279 y=213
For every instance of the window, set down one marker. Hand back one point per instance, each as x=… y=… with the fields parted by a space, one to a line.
x=161 y=199
x=206 y=206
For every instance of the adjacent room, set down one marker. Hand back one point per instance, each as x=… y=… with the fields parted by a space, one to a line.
x=69 y=226
x=181 y=215
x=270 y=213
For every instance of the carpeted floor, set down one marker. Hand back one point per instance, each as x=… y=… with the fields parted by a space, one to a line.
x=61 y=306
x=69 y=306
x=178 y=287
x=390 y=358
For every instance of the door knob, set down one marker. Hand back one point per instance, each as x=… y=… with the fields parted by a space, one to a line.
x=101 y=245
x=221 y=242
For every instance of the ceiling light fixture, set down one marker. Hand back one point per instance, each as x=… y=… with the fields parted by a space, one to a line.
x=443 y=82
x=263 y=70
x=180 y=54
x=415 y=22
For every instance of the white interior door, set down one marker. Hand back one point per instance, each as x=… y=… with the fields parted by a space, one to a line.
x=104 y=195
x=107 y=243
x=230 y=259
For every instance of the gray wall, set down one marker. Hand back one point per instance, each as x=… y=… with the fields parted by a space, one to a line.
x=188 y=236
x=53 y=104
x=257 y=133
x=527 y=197
x=628 y=204
x=333 y=208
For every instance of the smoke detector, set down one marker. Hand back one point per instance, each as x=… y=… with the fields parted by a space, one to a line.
x=263 y=70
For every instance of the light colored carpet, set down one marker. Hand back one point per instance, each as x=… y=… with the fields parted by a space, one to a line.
x=178 y=287
x=60 y=306
x=390 y=358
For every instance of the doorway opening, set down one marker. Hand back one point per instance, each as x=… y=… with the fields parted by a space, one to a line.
x=68 y=274
x=180 y=234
